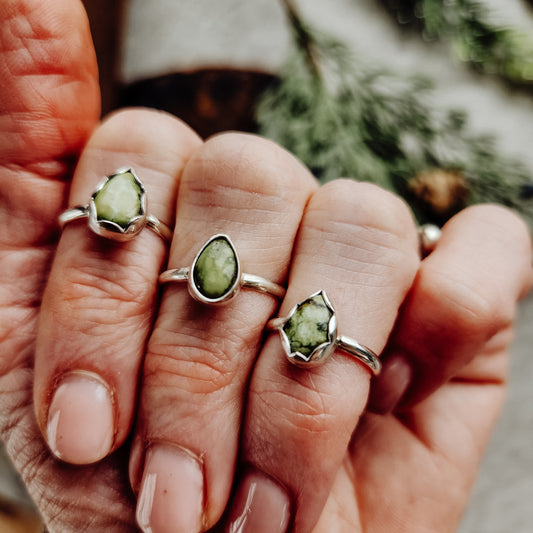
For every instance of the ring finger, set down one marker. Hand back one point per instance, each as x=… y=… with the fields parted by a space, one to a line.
x=358 y=244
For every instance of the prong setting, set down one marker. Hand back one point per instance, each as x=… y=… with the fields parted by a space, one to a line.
x=122 y=230
x=309 y=331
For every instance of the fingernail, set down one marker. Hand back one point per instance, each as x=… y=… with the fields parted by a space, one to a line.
x=391 y=385
x=260 y=505
x=80 y=427
x=172 y=492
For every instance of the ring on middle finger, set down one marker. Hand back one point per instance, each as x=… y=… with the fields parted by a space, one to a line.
x=215 y=276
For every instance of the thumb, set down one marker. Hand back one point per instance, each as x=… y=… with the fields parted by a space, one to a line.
x=49 y=104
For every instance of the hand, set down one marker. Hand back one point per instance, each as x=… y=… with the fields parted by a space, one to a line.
x=49 y=106
x=204 y=383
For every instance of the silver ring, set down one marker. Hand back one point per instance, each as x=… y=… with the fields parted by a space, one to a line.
x=428 y=238
x=309 y=335
x=216 y=274
x=117 y=209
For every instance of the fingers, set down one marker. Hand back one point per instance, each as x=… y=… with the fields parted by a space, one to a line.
x=99 y=302
x=200 y=356
x=443 y=437
x=358 y=243
x=44 y=117
x=464 y=296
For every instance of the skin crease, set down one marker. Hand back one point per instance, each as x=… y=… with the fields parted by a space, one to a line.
x=410 y=470
x=49 y=105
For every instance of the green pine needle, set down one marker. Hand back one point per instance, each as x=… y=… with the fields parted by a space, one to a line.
x=489 y=48
x=343 y=118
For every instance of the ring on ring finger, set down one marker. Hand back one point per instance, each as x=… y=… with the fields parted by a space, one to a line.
x=309 y=335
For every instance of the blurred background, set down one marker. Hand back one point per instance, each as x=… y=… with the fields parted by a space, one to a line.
x=436 y=103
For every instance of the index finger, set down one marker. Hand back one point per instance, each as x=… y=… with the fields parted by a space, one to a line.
x=100 y=298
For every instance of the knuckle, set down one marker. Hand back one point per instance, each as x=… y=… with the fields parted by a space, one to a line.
x=185 y=365
x=465 y=308
x=188 y=355
x=361 y=229
x=363 y=211
x=167 y=125
x=510 y=237
x=86 y=284
x=365 y=205
x=302 y=412
x=107 y=292
x=307 y=405
x=242 y=162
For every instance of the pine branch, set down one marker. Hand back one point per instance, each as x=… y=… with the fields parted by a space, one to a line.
x=302 y=36
x=488 y=48
x=344 y=118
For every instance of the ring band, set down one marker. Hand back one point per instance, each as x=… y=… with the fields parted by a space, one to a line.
x=428 y=237
x=309 y=335
x=215 y=276
x=117 y=209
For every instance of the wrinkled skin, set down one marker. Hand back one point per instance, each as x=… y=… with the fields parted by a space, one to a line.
x=49 y=106
x=409 y=470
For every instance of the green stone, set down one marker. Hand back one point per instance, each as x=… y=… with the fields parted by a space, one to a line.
x=119 y=200
x=308 y=327
x=215 y=270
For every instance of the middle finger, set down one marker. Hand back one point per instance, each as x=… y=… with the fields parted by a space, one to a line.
x=200 y=356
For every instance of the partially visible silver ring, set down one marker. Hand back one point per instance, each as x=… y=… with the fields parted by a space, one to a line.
x=428 y=237
x=123 y=220
x=215 y=276
x=309 y=335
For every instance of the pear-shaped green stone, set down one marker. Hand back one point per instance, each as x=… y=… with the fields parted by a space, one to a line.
x=215 y=270
x=308 y=327
x=119 y=200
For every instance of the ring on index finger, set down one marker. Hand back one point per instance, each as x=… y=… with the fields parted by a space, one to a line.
x=117 y=209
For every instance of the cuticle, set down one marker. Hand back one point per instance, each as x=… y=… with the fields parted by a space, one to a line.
x=89 y=375
x=198 y=458
x=250 y=468
x=151 y=443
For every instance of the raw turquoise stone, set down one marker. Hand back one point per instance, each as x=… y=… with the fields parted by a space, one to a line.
x=119 y=200
x=307 y=328
x=215 y=270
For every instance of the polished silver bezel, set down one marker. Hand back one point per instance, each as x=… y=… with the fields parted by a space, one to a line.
x=112 y=230
x=232 y=291
x=323 y=351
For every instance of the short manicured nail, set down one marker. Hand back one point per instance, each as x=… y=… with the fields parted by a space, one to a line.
x=80 y=427
x=172 y=492
x=260 y=505
x=390 y=386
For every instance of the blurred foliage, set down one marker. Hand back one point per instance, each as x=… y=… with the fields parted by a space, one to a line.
x=468 y=25
x=344 y=118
